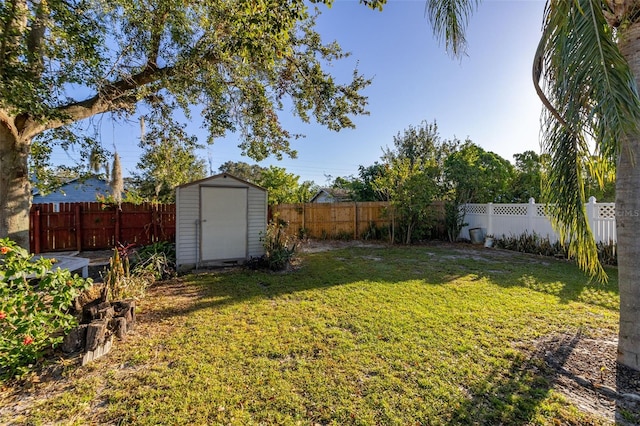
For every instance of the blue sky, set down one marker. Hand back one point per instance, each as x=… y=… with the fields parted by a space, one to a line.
x=486 y=96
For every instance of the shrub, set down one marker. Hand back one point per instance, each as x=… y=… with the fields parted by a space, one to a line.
x=132 y=271
x=607 y=253
x=535 y=244
x=34 y=307
x=157 y=260
x=454 y=220
x=279 y=248
x=531 y=243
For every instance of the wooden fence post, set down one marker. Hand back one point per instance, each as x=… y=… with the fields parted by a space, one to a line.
x=78 y=221
x=36 y=231
x=304 y=225
x=154 y=219
x=355 y=220
x=117 y=228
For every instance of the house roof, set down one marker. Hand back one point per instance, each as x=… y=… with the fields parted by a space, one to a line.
x=338 y=194
x=74 y=190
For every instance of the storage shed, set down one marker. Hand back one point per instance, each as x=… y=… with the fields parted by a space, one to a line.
x=219 y=220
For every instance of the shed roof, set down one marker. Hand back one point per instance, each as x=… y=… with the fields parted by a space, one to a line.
x=220 y=176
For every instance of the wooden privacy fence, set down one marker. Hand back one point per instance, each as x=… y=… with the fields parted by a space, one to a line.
x=338 y=220
x=96 y=226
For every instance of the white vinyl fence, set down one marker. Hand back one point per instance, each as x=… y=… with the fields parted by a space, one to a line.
x=516 y=219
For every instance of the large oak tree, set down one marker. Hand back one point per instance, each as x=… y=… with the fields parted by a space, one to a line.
x=240 y=62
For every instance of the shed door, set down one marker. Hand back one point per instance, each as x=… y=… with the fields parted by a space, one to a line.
x=224 y=223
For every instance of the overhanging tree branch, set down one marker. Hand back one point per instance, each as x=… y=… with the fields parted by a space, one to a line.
x=114 y=96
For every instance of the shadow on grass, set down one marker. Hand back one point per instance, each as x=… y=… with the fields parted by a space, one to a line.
x=512 y=396
x=433 y=266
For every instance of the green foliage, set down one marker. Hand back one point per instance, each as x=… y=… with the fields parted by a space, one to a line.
x=412 y=180
x=600 y=179
x=34 y=307
x=284 y=187
x=233 y=58
x=129 y=279
x=607 y=253
x=536 y=244
x=592 y=106
x=478 y=176
x=249 y=172
x=279 y=247
x=453 y=219
x=527 y=180
x=157 y=260
x=373 y=232
x=168 y=160
x=531 y=243
x=363 y=188
x=130 y=195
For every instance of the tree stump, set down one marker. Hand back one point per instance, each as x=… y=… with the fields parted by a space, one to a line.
x=96 y=334
x=119 y=326
x=76 y=340
x=100 y=321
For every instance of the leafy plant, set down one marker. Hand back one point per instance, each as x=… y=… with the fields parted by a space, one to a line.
x=536 y=244
x=532 y=243
x=161 y=247
x=279 y=247
x=132 y=271
x=157 y=260
x=454 y=219
x=373 y=232
x=607 y=253
x=117 y=275
x=34 y=307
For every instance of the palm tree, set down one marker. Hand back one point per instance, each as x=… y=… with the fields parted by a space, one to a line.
x=586 y=72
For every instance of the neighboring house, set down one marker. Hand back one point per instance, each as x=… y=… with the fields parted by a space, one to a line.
x=73 y=191
x=331 y=195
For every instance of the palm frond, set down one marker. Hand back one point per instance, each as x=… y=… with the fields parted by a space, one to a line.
x=449 y=20
x=592 y=103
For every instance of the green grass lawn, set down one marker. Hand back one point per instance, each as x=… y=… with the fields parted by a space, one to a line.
x=362 y=336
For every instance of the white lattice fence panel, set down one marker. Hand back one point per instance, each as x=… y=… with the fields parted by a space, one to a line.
x=541 y=210
x=510 y=209
x=517 y=219
x=606 y=211
x=476 y=209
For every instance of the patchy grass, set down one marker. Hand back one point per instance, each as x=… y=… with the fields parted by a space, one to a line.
x=361 y=336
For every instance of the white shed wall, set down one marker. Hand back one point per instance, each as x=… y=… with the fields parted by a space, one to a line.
x=188 y=205
x=187 y=225
x=257 y=221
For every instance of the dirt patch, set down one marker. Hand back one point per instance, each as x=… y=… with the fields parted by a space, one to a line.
x=316 y=246
x=585 y=371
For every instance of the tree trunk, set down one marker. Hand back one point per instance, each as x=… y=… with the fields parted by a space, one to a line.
x=15 y=189
x=628 y=222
